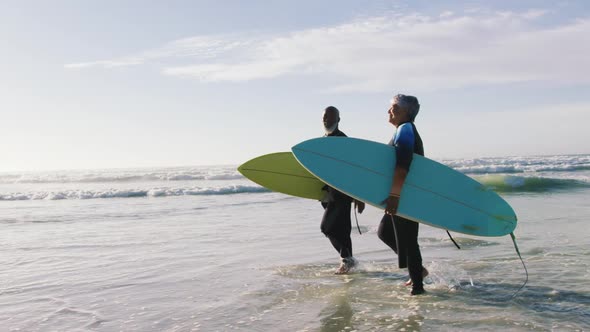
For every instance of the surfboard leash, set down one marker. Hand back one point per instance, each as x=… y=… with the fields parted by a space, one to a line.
x=450 y=237
x=525 y=269
x=357 y=222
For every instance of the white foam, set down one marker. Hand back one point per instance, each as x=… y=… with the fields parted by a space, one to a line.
x=126 y=193
x=129 y=175
x=521 y=164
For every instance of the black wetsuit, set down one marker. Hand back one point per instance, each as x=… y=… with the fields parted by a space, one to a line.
x=402 y=234
x=336 y=223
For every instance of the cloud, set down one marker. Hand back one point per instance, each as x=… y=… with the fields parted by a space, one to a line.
x=199 y=48
x=373 y=54
x=107 y=63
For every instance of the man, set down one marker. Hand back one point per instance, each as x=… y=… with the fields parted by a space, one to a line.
x=398 y=233
x=336 y=223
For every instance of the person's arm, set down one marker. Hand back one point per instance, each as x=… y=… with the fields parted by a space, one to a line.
x=404 y=143
x=399 y=178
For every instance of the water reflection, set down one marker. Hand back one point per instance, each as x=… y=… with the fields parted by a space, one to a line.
x=337 y=316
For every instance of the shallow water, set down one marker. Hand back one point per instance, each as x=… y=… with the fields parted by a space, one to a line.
x=256 y=261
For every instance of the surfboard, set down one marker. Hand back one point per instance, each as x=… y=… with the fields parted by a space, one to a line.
x=281 y=172
x=432 y=194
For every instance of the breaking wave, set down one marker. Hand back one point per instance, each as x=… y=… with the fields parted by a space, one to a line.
x=514 y=184
x=128 y=193
x=516 y=165
x=122 y=176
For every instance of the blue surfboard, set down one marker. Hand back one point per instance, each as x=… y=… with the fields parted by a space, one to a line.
x=432 y=194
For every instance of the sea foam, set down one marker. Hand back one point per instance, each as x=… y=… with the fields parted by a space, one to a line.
x=130 y=193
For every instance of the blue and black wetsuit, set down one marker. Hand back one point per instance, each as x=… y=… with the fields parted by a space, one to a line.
x=336 y=223
x=402 y=235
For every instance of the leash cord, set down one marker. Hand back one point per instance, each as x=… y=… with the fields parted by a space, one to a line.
x=525 y=269
x=357 y=222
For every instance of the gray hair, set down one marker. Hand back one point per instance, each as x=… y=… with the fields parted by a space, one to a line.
x=410 y=103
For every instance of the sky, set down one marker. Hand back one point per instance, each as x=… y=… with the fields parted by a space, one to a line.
x=117 y=84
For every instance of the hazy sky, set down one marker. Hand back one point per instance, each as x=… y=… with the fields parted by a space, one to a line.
x=100 y=84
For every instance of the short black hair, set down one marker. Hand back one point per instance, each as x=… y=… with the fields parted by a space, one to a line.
x=332 y=109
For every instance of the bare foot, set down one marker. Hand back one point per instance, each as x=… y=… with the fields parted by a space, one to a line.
x=346 y=265
x=424 y=275
x=343 y=269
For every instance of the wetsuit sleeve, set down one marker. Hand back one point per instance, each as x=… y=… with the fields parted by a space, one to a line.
x=404 y=145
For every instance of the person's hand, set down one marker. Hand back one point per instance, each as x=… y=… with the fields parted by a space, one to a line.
x=360 y=206
x=391 y=204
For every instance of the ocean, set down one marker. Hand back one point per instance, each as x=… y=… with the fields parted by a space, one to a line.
x=204 y=249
